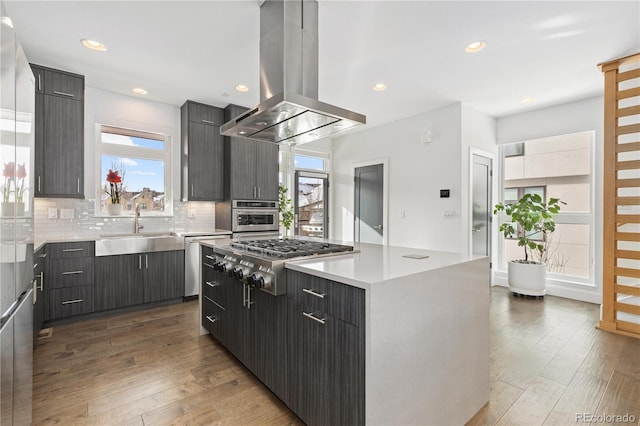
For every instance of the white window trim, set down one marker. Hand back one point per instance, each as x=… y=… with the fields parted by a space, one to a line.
x=138 y=152
x=588 y=218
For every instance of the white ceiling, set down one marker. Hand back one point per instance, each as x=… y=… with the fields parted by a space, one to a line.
x=200 y=50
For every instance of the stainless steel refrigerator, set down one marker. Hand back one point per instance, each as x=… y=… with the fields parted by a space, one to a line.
x=17 y=99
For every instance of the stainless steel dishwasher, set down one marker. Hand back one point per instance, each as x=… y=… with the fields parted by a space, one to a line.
x=192 y=262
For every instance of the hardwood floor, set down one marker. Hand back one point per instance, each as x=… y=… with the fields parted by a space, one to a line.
x=548 y=364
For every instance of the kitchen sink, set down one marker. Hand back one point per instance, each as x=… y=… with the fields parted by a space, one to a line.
x=138 y=243
x=138 y=235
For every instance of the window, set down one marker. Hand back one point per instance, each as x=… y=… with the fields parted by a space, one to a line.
x=143 y=161
x=558 y=167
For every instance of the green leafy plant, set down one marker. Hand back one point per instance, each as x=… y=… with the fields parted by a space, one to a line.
x=286 y=208
x=534 y=220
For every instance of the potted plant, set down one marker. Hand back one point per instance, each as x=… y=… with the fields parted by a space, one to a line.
x=531 y=223
x=286 y=209
x=114 y=190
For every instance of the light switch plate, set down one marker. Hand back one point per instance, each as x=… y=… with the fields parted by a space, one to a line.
x=52 y=213
x=66 y=213
x=191 y=213
x=449 y=214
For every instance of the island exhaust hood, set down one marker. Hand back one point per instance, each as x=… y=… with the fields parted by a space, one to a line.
x=289 y=111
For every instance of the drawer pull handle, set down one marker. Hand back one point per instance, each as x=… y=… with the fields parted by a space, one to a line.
x=210 y=257
x=208 y=265
x=212 y=284
x=72 y=250
x=211 y=319
x=69 y=302
x=208 y=122
x=63 y=94
x=73 y=273
x=43 y=255
x=313 y=317
x=313 y=293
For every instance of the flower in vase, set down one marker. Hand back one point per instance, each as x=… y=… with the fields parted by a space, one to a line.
x=115 y=186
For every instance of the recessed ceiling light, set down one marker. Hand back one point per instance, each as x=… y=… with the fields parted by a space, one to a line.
x=242 y=132
x=338 y=126
x=7 y=21
x=528 y=100
x=93 y=45
x=475 y=46
x=379 y=87
x=139 y=91
x=261 y=123
x=242 y=88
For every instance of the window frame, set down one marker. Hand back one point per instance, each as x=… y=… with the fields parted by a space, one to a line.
x=568 y=218
x=164 y=155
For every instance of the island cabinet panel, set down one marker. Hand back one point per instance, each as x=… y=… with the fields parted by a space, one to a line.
x=325 y=354
x=250 y=323
x=118 y=281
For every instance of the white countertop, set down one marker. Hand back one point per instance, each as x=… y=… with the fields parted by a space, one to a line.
x=376 y=263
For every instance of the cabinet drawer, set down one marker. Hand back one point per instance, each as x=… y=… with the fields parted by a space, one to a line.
x=65 y=85
x=213 y=285
x=207 y=114
x=336 y=299
x=65 y=302
x=69 y=250
x=213 y=317
x=71 y=272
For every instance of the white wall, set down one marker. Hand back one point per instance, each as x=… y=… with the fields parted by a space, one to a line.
x=102 y=107
x=416 y=173
x=579 y=116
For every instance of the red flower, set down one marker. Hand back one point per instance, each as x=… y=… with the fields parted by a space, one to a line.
x=113 y=177
x=9 y=170
x=22 y=171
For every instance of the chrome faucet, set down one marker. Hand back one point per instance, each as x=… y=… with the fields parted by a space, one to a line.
x=136 y=224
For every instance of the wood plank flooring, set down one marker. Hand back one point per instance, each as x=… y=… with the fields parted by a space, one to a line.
x=548 y=364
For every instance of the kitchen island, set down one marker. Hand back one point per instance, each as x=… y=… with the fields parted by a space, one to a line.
x=426 y=331
x=370 y=337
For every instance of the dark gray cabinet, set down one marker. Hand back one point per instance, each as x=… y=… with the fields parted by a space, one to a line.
x=163 y=275
x=252 y=166
x=325 y=352
x=118 y=281
x=59 y=133
x=133 y=279
x=202 y=158
x=39 y=268
x=248 y=322
x=70 y=279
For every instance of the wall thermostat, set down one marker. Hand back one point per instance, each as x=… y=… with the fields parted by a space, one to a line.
x=444 y=193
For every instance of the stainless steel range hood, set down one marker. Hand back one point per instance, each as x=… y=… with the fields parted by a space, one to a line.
x=289 y=111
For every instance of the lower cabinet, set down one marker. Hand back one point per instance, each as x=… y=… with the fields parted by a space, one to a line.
x=69 y=301
x=248 y=322
x=325 y=353
x=133 y=279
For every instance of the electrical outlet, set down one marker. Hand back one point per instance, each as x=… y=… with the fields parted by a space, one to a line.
x=449 y=214
x=66 y=213
x=402 y=214
x=191 y=213
x=52 y=213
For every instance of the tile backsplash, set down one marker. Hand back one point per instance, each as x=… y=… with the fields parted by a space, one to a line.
x=187 y=216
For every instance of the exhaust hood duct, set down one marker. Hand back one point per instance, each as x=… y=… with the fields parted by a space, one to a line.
x=289 y=111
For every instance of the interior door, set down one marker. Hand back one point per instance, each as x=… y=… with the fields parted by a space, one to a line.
x=311 y=204
x=368 y=215
x=481 y=202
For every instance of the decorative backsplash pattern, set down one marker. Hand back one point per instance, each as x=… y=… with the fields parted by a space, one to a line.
x=187 y=217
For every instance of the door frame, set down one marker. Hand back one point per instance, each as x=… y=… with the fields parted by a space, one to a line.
x=492 y=190
x=385 y=195
x=317 y=175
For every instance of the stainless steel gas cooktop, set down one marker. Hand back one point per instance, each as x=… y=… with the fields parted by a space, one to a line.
x=289 y=248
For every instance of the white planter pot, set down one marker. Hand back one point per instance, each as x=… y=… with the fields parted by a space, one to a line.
x=527 y=278
x=114 y=209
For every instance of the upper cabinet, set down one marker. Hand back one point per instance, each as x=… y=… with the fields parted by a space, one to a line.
x=59 y=133
x=202 y=158
x=252 y=165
